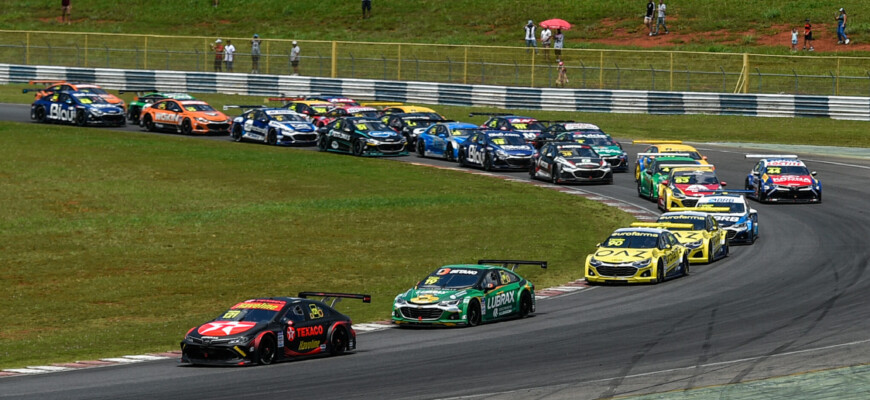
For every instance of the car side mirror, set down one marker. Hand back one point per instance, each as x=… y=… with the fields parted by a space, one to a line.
x=813 y=173
x=755 y=173
x=723 y=183
x=704 y=158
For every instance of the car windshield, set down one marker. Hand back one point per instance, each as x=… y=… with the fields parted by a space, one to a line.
x=632 y=240
x=698 y=222
x=366 y=126
x=370 y=114
x=532 y=126
x=284 y=117
x=93 y=90
x=90 y=99
x=423 y=116
x=453 y=278
x=194 y=107
x=733 y=207
x=508 y=140
x=463 y=131
x=596 y=140
x=576 y=152
x=787 y=170
x=252 y=311
x=665 y=165
x=695 y=178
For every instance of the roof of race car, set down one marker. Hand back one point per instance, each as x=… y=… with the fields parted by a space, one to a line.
x=580 y=125
x=784 y=162
x=458 y=125
x=313 y=103
x=684 y=213
x=571 y=145
x=413 y=109
x=501 y=133
x=644 y=230
x=588 y=134
x=519 y=118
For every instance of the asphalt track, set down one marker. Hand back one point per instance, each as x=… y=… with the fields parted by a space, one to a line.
x=796 y=301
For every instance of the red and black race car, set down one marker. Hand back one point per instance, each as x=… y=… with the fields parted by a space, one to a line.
x=260 y=331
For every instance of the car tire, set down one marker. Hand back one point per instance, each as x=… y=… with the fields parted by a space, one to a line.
x=609 y=179
x=358 y=147
x=40 y=114
x=133 y=115
x=525 y=305
x=81 y=117
x=472 y=313
x=710 y=256
x=726 y=249
x=186 y=127
x=554 y=176
x=338 y=341
x=448 y=154
x=685 y=266
x=272 y=138
x=322 y=143
x=265 y=351
x=660 y=271
x=461 y=158
x=639 y=192
x=637 y=173
x=236 y=133
x=487 y=162
x=532 y=171
x=149 y=123
x=421 y=151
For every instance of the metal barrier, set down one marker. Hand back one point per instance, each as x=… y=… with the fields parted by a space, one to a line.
x=583 y=100
x=493 y=65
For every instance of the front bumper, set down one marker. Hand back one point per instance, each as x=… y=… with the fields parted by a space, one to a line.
x=617 y=163
x=512 y=162
x=413 y=314
x=620 y=273
x=107 y=119
x=386 y=149
x=220 y=128
x=298 y=139
x=586 y=175
x=739 y=235
x=215 y=354
x=793 y=194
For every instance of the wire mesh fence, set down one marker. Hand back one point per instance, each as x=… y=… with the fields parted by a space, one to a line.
x=489 y=65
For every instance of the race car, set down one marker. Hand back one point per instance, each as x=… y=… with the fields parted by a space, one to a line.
x=684 y=185
x=265 y=330
x=780 y=178
x=339 y=101
x=468 y=294
x=663 y=146
x=360 y=136
x=637 y=255
x=732 y=211
x=442 y=140
x=703 y=237
x=275 y=126
x=608 y=148
x=496 y=150
x=184 y=116
x=58 y=86
x=529 y=127
x=77 y=108
x=314 y=110
x=349 y=111
x=411 y=124
x=564 y=162
x=134 y=110
x=657 y=171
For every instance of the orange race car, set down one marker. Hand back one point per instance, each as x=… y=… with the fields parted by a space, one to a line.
x=57 y=86
x=184 y=116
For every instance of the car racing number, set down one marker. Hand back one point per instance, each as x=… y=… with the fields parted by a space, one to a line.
x=315 y=312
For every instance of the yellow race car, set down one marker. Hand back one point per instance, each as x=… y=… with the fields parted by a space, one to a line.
x=684 y=185
x=705 y=240
x=637 y=255
x=664 y=146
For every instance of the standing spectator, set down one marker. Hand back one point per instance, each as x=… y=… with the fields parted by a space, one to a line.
x=661 y=20
x=294 y=58
x=530 y=36
x=808 y=35
x=841 y=28
x=229 y=53
x=648 y=18
x=794 y=39
x=255 y=54
x=218 y=48
x=65 y=8
x=558 y=43
x=562 y=80
x=546 y=37
x=367 y=8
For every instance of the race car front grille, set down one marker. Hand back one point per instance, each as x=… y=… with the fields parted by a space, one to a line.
x=795 y=193
x=518 y=162
x=614 y=161
x=201 y=353
x=616 y=271
x=218 y=127
x=731 y=234
x=690 y=202
x=590 y=174
x=391 y=147
x=302 y=137
x=424 y=313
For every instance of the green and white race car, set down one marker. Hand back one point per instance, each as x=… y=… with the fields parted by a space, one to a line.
x=468 y=294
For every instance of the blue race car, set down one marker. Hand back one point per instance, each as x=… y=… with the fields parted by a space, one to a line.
x=782 y=179
x=361 y=136
x=529 y=127
x=77 y=108
x=442 y=140
x=275 y=126
x=496 y=150
x=731 y=210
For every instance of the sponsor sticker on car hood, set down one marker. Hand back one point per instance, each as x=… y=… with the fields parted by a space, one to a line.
x=622 y=255
x=225 y=328
x=696 y=189
x=791 y=180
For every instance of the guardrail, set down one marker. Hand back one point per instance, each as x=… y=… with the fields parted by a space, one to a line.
x=582 y=100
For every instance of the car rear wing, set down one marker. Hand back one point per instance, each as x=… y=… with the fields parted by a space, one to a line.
x=662 y=225
x=690 y=166
x=244 y=106
x=771 y=156
x=657 y=141
x=285 y=98
x=334 y=298
x=702 y=209
x=384 y=104
x=485 y=114
x=512 y=264
x=664 y=154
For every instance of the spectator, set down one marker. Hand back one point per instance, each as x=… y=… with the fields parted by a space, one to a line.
x=648 y=18
x=661 y=20
x=215 y=3
x=294 y=58
x=808 y=35
x=229 y=53
x=255 y=54
x=841 y=27
x=546 y=37
x=562 y=80
x=367 y=8
x=559 y=42
x=218 y=48
x=65 y=8
x=530 y=36
x=794 y=39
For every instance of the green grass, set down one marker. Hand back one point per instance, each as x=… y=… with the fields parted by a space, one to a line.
x=116 y=243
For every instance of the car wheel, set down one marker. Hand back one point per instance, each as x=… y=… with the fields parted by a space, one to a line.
x=186 y=127
x=40 y=114
x=685 y=266
x=266 y=351
x=461 y=158
x=449 y=154
x=133 y=115
x=81 y=117
x=149 y=123
x=272 y=138
x=472 y=313
x=660 y=271
x=322 y=143
x=358 y=147
x=525 y=305
x=637 y=173
x=609 y=179
x=639 y=191
x=532 y=171
x=338 y=342
x=236 y=133
x=487 y=162
x=710 y=255
x=554 y=176
x=421 y=151
x=726 y=249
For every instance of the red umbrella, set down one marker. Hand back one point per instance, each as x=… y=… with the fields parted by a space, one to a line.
x=556 y=23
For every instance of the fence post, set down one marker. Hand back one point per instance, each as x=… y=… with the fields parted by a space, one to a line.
x=601 y=71
x=27 y=49
x=745 y=72
x=334 y=68
x=549 y=75
x=833 y=83
x=267 y=57
x=672 y=72
x=145 y=52
x=724 y=90
x=465 y=67
x=24 y=46
x=482 y=72
x=136 y=49
x=86 y=50
x=416 y=68
x=78 y=54
x=759 y=79
x=688 y=80
x=399 y=62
